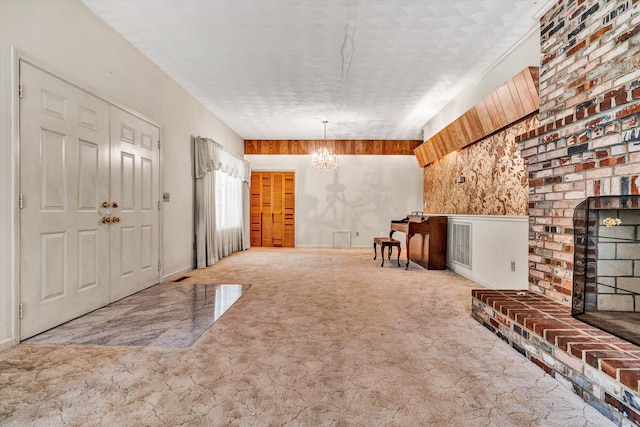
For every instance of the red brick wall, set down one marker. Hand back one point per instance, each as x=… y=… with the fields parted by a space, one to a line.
x=588 y=142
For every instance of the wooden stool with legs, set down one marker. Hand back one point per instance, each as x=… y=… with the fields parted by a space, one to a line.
x=385 y=242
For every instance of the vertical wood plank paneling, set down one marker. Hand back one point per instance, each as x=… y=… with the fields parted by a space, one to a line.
x=508 y=104
x=513 y=92
x=492 y=108
x=498 y=113
x=511 y=102
x=484 y=117
x=528 y=103
x=272 y=209
x=341 y=147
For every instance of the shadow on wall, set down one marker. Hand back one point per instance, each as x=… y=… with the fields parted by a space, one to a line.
x=353 y=206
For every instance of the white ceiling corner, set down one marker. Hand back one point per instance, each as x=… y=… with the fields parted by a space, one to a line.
x=274 y=69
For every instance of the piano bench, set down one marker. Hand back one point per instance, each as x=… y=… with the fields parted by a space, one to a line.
x=385 y=242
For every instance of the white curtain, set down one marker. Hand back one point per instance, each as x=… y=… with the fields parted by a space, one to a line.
x=222 y=209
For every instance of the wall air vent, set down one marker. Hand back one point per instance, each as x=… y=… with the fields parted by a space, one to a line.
x=461 y=243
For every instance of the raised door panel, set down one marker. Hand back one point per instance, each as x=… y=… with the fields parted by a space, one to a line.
x=64 y=178
x=134 y=236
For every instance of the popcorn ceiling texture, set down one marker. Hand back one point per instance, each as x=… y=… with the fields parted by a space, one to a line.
x=496 y=181
x=374 y=69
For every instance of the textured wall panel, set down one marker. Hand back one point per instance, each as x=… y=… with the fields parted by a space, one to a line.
x=496 y=180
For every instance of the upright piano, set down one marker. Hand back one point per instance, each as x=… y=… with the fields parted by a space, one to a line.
x=426 y=237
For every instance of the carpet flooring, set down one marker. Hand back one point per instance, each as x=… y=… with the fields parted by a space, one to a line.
x=324 y=337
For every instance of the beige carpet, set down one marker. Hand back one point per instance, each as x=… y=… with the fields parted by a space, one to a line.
x=322 y=338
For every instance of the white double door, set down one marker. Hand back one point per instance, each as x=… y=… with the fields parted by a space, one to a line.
x=89 y=217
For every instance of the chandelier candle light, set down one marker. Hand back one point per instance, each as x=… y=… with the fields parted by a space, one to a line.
x=323 y=158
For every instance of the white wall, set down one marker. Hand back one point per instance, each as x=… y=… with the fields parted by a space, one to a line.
x=68 y=38
x=525 y=54
x=362 y=196
x=495 y=242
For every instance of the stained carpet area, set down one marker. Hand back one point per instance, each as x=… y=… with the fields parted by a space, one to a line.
x=324 y=337
x=165 y=315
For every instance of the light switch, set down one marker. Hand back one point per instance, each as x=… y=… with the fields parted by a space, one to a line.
x=166 y=197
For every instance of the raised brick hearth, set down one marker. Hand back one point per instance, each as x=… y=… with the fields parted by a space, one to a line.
x=602 y=369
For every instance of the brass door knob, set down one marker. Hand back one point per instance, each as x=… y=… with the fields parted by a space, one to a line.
x=114 y=204
x=116 y=219
x=106 y=220
x=105 y=204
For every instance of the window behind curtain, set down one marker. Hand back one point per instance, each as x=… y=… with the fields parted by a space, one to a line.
x=228 y=202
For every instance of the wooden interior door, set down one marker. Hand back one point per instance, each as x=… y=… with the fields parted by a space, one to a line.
x=273 y=209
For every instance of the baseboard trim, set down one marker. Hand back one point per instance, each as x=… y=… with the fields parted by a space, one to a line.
x=465 y=273
x=181 y=272
x=6 y=344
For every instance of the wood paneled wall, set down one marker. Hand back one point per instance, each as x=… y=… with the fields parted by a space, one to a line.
x=342 y=146
x=511 y=102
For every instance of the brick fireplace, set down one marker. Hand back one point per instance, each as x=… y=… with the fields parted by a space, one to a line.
x=606 y=278
x=584 y=154
x=588 y=141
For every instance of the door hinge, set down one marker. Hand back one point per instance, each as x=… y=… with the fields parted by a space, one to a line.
x=158 y=266
x=20 y=201
x=158 y=205
x=20 y=91
x=158 y=144
x=20 y=311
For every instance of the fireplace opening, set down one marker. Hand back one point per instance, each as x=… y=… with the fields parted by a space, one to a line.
x=606 y=269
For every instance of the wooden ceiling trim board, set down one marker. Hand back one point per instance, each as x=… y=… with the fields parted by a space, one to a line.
x=492 y=109
x=469 y=129
x=452 y=144
x=526 y=99
x=502 y=113
x=341 y=147
x=508 y=104
x=513 y=90
x=484 y=117
x=477 y=123
x=534 y=83
x=439 y=145
x=421 y=154
x=514 y=100
x=284 y=146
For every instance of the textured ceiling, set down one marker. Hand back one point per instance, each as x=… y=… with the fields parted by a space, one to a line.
x=274 y=69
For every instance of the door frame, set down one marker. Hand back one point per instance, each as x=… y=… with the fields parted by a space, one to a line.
x=296 y=175
x=19 y=56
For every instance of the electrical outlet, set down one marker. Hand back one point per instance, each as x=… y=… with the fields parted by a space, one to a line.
x=513 y=266
x=357 y=234
x=166 y=197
